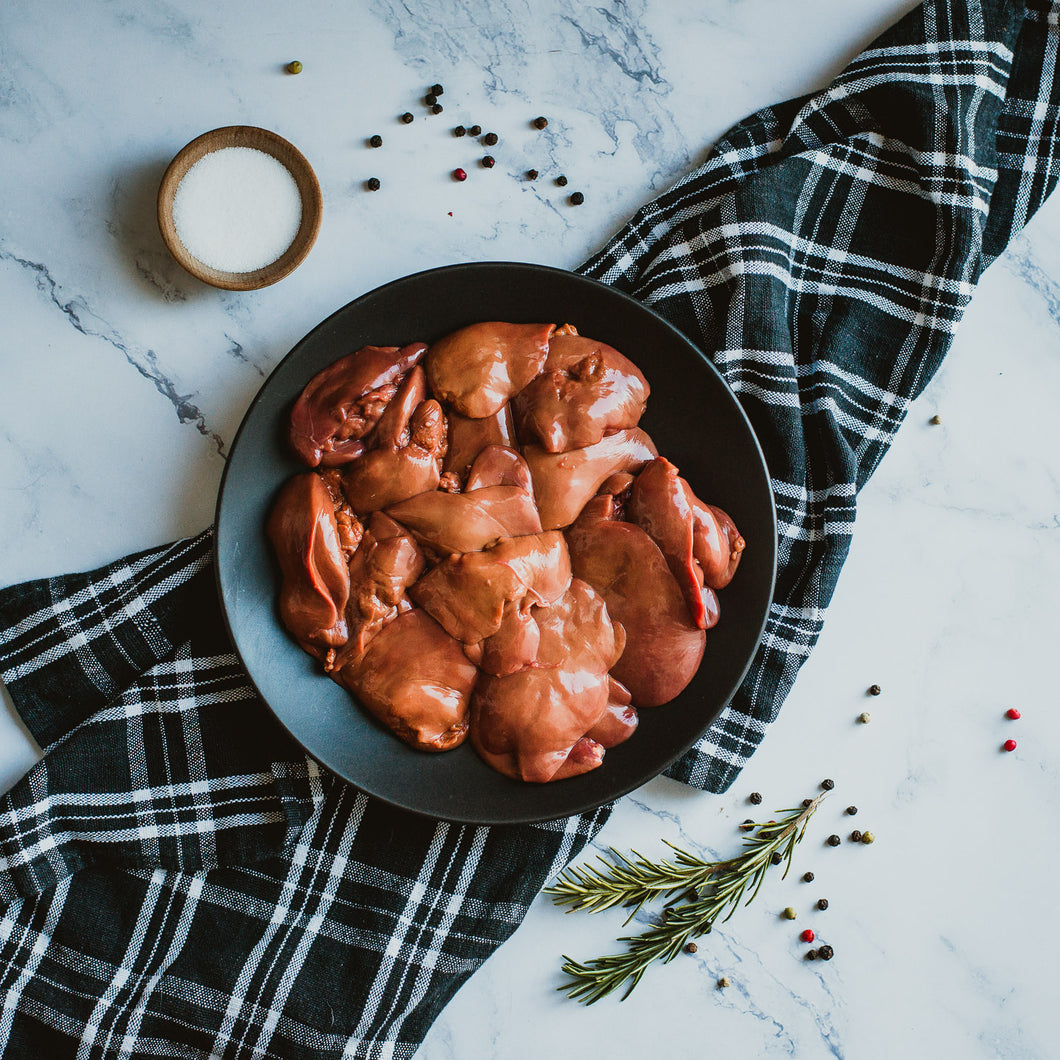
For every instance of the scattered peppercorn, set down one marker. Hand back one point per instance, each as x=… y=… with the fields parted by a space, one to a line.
x=490 y=139
x=833 y=840
x=855 y=836
x=294 y=67
x=864 y=717
x=811 y=955
x=935 y=420
x=437 y=90
x=723 y=982
x=808 y=935
x=561 y=181
x=851 y=810
x=868 y=837
x=828 y=784
x=460 y=131
x=826 y=953
x=459 y=174
x=430 y=99
x=691 y=948
x=747 y=826
x=777 y=857
x=531 y=174
x=807 y=877
x=475 y=130
x=372 y=184
x=437 y=108
x=874 y=690
x=807 y=802
x=407 y=117
x=1009 y=745
x=489 y=161
x=540 y=123
x=822 y=904
x=375 y=141
x=789 y=913
x=577 y=199
x=755 y=798
x=1013 y=713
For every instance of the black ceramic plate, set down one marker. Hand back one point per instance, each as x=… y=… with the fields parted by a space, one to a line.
x=693 y=418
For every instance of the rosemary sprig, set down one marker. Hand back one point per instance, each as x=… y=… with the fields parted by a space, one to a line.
x=718 y=886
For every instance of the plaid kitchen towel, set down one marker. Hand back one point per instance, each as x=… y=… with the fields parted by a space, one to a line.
x=178 y=880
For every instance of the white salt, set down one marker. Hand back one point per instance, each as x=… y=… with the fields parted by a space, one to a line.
x=237 y=209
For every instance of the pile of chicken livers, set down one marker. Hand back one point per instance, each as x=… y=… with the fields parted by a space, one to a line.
x=488 y=547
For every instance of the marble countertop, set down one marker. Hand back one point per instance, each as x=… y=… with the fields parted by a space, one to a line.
x=122 y=381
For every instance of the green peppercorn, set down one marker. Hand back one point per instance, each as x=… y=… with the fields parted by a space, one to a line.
x=822 y=904
x=777 y=857
x=935 y=420
x=864 y=718
x=828 y=784
x=826 y=953
x=807 y=877
x=490 y=139
x=723 y=982
x=561 y=181
x=874 y=690
x=868 y=837
x=540 y=123
x=375 y=141
x=755 y=798
x=855 y=836
x=833 y=840
x=789 y=913
x=407 y=117
x=372 y=184
x=294 y=67
x=577 y=199
x=475 y=130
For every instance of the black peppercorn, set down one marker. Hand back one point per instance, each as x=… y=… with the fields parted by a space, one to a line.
x=826 y=953
x=874 y=690
x=460 y=131
x=691 y=948
x=437 y=108
x=807 y=877
x=852 y=810
x=489 y=161
x=755 y=798
x=531 y=174
x=437 y=90
x=777 y=857
x=747 y=826
x=561 y=181
x=430 y=99
x=822 y=904
x=375 y=141
x=407 y=117
x=833 y=840
x=490 y=139
x=807 y=802
x=811 y=955
x=475 y=130
x=828 y=784
x=372 y=184
x=577 y=199
x=855 y=836
x=540 y=123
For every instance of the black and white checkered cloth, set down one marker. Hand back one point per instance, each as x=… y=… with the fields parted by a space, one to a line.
x=178 y=880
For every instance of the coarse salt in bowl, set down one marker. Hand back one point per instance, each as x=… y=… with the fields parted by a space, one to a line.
x=239 y=208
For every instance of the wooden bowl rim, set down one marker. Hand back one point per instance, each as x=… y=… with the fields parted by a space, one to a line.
x=284 y=152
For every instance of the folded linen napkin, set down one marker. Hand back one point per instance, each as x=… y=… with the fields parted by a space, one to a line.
x=178 y=879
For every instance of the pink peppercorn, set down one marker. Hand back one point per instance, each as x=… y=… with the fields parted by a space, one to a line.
x=1013 y=713
x=808 y=935
x=1009 y=745
x=459 y=174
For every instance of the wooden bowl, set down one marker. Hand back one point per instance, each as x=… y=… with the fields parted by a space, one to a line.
x=282 y=151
